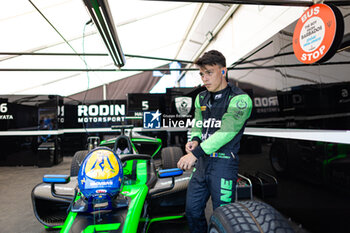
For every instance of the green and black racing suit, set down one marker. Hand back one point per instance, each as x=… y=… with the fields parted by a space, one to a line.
x=220 y=120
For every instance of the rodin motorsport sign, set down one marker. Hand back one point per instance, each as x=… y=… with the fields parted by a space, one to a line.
x=318 y=33
x=101 y=112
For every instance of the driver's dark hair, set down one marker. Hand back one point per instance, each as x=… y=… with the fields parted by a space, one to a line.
x=212 y=57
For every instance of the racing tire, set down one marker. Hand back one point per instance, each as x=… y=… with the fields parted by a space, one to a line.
x=248 y=217
x=170 y=156
x=279 y=158
x=77 y=160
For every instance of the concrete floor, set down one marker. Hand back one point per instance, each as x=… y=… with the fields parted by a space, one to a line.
x=16 y=184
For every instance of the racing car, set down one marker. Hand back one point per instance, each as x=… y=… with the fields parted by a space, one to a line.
x=114 y=188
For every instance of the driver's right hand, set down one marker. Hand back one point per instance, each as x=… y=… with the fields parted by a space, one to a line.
x=190 y=146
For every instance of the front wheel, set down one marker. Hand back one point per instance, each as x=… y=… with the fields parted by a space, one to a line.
x=248 y=217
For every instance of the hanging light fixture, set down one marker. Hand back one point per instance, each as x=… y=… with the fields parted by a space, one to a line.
x=102 y=17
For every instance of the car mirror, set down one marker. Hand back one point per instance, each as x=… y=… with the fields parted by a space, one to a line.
x=172 y=172
x=59 y=179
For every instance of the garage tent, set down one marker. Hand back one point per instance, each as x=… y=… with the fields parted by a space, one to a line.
x=53 y=47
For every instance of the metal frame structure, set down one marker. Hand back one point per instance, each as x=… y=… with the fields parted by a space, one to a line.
x=102 y=17
x=165 y=70
x=91 y=54
x=266 y=2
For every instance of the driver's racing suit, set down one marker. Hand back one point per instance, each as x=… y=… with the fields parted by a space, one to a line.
x=220 y=119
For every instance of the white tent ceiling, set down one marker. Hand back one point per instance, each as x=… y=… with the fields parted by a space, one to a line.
x=159 y=29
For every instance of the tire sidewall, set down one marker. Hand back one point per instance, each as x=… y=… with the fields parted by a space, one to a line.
x=77 y=160
x=170 y=156
x=216 y=225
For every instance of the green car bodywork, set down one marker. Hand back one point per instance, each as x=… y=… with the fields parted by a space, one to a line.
x=153 y=144
x=153 y=147
x=136 y=190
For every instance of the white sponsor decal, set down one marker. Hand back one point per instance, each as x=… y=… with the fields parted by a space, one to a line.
x=210 y=123
x=310 y=13
x=344 y=93
x=60 y=114
x=6 y=117
x=265 y=101
x=218 y=96
x=103 y=183
x=4 y=109
x=101 y=110
x=100 y=119
x=312 y=34
x=183 y=105
x=101 y=113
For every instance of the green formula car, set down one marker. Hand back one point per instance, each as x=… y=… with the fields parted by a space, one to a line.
x=114 y=188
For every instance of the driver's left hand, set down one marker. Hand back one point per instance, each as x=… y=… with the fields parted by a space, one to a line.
x=186 y=161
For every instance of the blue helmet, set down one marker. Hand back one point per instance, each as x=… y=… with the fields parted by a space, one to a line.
x=101 y=175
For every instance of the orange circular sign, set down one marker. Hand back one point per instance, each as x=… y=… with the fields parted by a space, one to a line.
x=316 y=33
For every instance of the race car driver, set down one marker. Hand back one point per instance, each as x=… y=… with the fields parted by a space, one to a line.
x=221 y=113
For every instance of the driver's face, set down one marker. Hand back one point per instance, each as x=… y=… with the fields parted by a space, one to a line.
x=213 y=77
